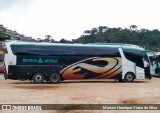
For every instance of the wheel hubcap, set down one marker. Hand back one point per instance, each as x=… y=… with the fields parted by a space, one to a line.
x=38 y=78
x=129 y=77
x=54 y=78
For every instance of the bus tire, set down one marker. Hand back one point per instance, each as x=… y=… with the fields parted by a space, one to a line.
x=129 y=77
x=55 y=78
x=38 y=78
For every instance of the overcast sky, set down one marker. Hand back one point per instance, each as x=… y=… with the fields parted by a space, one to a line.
x=69 y=18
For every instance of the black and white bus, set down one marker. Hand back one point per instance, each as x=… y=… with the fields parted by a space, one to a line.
x=41 y=62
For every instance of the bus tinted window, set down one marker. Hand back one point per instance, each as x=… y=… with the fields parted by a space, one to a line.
x=64 y=50
x=89 y=51
x=41 y=50
x=134 y=56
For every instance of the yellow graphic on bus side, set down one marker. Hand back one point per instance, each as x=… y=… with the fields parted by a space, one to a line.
x=112 y=68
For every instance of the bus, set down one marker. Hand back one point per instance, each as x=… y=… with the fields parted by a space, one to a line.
x=2 y=52
x=154 y=58
x=55 y=62
x=158 y=63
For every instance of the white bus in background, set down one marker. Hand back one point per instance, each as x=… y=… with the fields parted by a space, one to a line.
x=54 y=62
x=154 y=58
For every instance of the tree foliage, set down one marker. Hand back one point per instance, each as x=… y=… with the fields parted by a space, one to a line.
x=149 y=39
x=4 y=36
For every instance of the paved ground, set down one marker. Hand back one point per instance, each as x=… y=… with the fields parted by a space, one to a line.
x=81 y=92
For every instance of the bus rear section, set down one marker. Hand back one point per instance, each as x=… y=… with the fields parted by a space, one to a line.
x=55 y=63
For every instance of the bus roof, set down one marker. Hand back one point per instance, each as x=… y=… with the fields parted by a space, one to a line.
x=123 y=45
x=110 y=45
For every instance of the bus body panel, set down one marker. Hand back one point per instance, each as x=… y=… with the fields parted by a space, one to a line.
x=78 y=70
x=10 y=58
x=24 y=72
x=140 y=72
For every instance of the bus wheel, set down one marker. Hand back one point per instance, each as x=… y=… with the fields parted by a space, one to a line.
x=129 y=77
x=55 y=78
x=38 y=78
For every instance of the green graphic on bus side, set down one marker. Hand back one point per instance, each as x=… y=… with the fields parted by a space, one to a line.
x=29 y=60
x=39 y=60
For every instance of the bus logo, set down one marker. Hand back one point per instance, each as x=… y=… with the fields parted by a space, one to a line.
x=40 y=60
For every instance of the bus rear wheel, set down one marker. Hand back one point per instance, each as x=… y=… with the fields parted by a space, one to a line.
x=129 y=77
x=38 y=78
x=55 y=78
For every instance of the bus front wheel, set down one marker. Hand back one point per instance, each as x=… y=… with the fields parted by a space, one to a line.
x=38 y=78
x=129 y=77
x=55 y=78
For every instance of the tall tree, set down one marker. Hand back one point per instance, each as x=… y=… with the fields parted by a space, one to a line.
x=102 y=29
x=87 y=32
x=48 y=38
x=94 y=31
x=133 y=27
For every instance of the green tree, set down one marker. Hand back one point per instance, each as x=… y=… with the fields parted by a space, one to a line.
x=64 y=41
x=47 y=38
x=4 y=36
x=143 y=37
x=133 y=27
